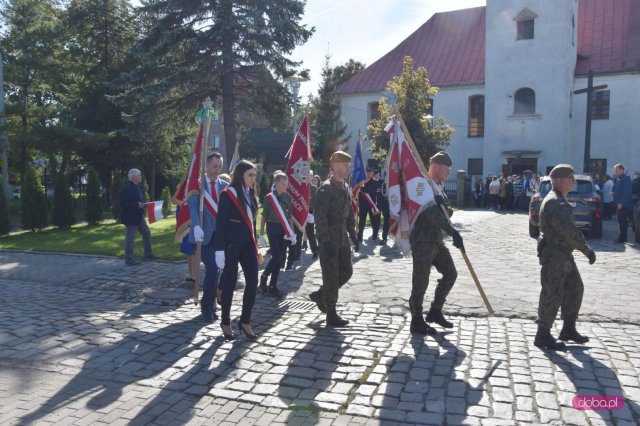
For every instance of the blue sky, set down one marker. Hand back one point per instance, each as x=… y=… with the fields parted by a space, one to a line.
x=363 y=30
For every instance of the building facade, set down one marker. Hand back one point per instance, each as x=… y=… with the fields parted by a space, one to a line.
x=507 y=74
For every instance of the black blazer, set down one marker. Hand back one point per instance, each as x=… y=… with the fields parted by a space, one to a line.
x=129 y=199
x=230 y=226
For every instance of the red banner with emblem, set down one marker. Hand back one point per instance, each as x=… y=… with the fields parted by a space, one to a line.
x=298 y=170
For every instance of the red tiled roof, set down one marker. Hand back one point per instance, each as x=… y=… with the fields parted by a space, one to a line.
x=608 y=36
x=451 y=46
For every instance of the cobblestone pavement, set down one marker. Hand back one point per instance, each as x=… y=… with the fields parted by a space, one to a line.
x=85 y=340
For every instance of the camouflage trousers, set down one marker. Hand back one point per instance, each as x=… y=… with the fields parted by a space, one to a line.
x=426 y=254
x=336 y=271
x=562 y=287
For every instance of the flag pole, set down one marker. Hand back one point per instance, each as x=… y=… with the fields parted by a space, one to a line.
x=205 y=118
x=414 y=150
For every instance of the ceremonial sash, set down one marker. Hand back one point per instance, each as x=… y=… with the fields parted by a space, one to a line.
x=280 y=213
x=246 y=214
x=371 y=203
x=210 y=204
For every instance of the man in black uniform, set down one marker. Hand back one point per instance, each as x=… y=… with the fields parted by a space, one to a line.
x=334 y=219
x=383 y=204
x=370 y=188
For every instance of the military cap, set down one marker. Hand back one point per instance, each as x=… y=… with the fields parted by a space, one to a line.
x=562 y=171
x=340 y=157
x=443 y=158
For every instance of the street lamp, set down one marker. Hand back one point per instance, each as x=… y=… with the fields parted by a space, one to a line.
x=294 y=83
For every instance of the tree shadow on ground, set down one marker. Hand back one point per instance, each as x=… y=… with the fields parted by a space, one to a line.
x=590 y=376
x=307 y=383
x=427 y=386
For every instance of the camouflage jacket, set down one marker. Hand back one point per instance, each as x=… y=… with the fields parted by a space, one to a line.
x=333 y=213
x=430 y=224
x=558 y=225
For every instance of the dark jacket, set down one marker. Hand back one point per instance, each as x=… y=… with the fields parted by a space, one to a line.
x=230 y=226
x=130 y=196
x=622 y=192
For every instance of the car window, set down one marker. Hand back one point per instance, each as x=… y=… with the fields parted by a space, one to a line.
x=580 y=187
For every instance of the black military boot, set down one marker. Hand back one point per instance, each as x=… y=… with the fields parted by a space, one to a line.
x=333 y=319
x=274 y=291
x=569 y=332
x=544 y=339
x=435 y=315
x=263 y=283
x=418 y=326
x=316 y=296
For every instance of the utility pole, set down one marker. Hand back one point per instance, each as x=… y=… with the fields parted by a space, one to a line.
x=3 y=133
x=587 y=136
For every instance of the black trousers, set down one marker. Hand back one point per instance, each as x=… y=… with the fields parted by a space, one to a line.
x=245 y=255
x=278 y=247
x=295 y=250
x=310 y=230
x=373 y=218
x=624 y=216
x=386 y=221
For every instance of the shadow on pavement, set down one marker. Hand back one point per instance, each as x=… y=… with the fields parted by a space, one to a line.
x=592 y=377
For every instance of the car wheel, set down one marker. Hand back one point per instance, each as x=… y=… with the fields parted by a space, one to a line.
x=534 y=231
x=596 y=231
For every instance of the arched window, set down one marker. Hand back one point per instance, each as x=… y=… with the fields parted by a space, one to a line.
x=525 y=101
x=476 y=116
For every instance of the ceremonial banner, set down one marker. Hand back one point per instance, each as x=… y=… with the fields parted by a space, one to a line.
x=410 y=191
x=297 y=171
x=189 y=186
x=154 y=211
x=235 y=159
x=358 y=176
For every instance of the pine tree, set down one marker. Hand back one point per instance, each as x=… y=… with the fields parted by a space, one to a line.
x=144 y=186
x=5 y=223
x=264 y=185
x=413 y=92
x=117 y=183
x=63 y=204
x=33 y=205
x=167 y=206
x=94 y=212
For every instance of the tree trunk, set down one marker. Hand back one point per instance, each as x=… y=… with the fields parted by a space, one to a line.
x=228 y=100
x=153 y=180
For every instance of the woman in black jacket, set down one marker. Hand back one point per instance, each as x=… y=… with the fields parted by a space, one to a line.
x=235 y=243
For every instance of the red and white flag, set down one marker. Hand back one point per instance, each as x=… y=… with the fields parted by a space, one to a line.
x=410 y=191
x=286 y=227
x=298 y=169
x=190 y=185
x=154 y=211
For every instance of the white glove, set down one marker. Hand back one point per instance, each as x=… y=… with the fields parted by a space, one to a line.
x=198 y=234
x=310 y=218
x=220 y=259
x=293 y=240
x=262 y=241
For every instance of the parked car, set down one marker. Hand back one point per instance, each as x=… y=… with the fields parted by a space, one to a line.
x=586 y=203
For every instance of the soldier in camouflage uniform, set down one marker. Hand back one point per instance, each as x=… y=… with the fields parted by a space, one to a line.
x=561 y=282
x=428 y=249
x=334 y=219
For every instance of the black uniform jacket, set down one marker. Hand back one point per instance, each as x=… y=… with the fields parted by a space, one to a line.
x=230 y=225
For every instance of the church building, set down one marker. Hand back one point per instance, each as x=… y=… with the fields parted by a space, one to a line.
x=508 y=73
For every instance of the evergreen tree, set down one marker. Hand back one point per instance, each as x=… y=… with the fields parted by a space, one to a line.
x=234 y=49
x=413 y=92
x=167 y=206
x=94 y=212
x=33 y=205
x=63 y=205
x=144 y=186
x=117 y=183
x=328 y=132
x=264 y=185
x=5 y=223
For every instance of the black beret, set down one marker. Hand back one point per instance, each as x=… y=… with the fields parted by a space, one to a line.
x=562 y=171
x=443 y=158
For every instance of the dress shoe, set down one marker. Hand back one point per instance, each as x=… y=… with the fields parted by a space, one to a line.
x=545 y=340
x=569 y=332
x=263 y=283
x=315 y=255
x=316 y=297
x=435 y=315
x=209 y=318
x=242 y=329
x=419 y=326
x=334 y=320
x=132 y=262
x=151 y=257
x=230 y=336
x=273 y=291
x=619 y=240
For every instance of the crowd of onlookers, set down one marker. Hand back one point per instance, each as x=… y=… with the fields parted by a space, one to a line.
x=502 y=192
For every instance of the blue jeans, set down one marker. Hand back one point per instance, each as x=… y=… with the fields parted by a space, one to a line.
x=130 y=235
x=210 y=283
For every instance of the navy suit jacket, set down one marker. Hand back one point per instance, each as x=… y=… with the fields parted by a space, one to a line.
x=130 y=196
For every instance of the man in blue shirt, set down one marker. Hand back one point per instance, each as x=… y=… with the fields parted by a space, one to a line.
x=623 y=201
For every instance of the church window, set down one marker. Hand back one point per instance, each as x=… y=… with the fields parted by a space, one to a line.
x=600 y=105
x=525 y=101
x=476 y=116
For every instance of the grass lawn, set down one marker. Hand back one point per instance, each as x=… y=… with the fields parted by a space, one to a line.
x=106 y=238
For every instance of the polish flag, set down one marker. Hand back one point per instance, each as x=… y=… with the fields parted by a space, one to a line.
x=154 y=211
